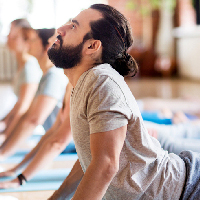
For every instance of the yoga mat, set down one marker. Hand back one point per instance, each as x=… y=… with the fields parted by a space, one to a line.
x=16 y=158
x=154 y=117
x=44 y=180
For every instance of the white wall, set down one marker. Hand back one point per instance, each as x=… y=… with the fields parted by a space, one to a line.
x=188 y=52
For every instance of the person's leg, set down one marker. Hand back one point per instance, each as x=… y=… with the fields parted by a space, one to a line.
x=176 y=138
x=191 y=190
x=186 y=130
x=176 y=146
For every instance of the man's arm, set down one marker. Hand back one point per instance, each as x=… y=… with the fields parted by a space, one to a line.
x=70 y=184
x=40 y=109
x=105 y=149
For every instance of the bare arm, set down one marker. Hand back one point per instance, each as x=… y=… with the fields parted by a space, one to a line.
x=50 y=148
x=70 y=184
x=56 y=142
x=105 y=149
x=13 y=171
x=40 y=109
x=27 y=93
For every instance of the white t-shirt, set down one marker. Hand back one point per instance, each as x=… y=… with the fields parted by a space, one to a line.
x=102 y=101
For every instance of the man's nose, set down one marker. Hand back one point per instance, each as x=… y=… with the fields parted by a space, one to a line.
x=62 y=30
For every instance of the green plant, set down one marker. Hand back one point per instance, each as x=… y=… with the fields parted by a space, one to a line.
x=145 y=6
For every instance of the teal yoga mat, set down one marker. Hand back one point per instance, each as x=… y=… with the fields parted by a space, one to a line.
x=16 y=158
x=44 y=180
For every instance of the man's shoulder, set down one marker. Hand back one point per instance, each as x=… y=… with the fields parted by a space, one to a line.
x=103 y=71
x=102 y=75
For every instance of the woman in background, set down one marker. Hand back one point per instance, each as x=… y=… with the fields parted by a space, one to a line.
x=47 y=100
x=27 y=76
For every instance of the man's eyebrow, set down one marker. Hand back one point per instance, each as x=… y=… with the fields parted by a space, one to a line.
x=75 y=21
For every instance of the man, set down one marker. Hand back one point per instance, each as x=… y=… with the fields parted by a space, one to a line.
x=117 y=157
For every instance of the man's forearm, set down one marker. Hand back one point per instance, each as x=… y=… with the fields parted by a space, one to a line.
x=68 y=188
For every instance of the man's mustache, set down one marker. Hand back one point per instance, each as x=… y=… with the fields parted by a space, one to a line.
x=60 y=39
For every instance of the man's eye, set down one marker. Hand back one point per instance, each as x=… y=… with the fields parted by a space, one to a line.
x=73 y=26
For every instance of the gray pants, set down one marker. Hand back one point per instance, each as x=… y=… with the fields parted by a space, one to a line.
x=191 y=190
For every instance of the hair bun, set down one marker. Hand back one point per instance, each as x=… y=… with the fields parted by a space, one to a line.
x=126 y=65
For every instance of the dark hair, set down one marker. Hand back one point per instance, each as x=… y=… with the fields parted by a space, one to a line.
x=24 y=25
x=114 y=31
x=45 y=34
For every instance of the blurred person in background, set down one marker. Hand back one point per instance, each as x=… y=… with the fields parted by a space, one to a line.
x=27 y=77
x=47 y=100
x=51 y=145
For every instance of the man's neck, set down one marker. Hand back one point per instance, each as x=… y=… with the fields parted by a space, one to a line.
x=74 y=73
x=45 y=64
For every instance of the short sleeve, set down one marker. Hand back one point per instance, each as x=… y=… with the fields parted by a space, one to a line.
x=53 y=85
x=31 y=72
x=107 y=108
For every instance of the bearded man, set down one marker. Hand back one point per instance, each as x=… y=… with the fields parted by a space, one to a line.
x=117 y=158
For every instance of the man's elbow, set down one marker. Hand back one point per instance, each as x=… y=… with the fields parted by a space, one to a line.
x=110 y=169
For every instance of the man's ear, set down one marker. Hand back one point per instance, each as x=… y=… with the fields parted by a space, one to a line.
x=92 y=46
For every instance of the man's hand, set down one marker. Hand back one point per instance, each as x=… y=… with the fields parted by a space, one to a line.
x=10 y=184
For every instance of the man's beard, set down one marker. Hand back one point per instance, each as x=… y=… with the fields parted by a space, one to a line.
x=65 y=57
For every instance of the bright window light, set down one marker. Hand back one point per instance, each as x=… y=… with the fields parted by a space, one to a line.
x=41 y=13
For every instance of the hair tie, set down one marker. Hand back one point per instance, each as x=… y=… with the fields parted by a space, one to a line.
x=125 y=54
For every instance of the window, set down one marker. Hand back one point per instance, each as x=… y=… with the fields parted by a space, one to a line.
x=40 y=13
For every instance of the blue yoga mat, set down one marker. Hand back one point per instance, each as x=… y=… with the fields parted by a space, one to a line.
x=44 y=180
x=16 y=158
x=154 y=117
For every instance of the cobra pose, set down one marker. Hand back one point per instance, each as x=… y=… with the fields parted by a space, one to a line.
x=117 y=158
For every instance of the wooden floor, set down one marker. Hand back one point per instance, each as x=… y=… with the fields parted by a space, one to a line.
x=141 y=88
x=163 y=88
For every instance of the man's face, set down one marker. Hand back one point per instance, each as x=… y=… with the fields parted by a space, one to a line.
x=66 y=52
